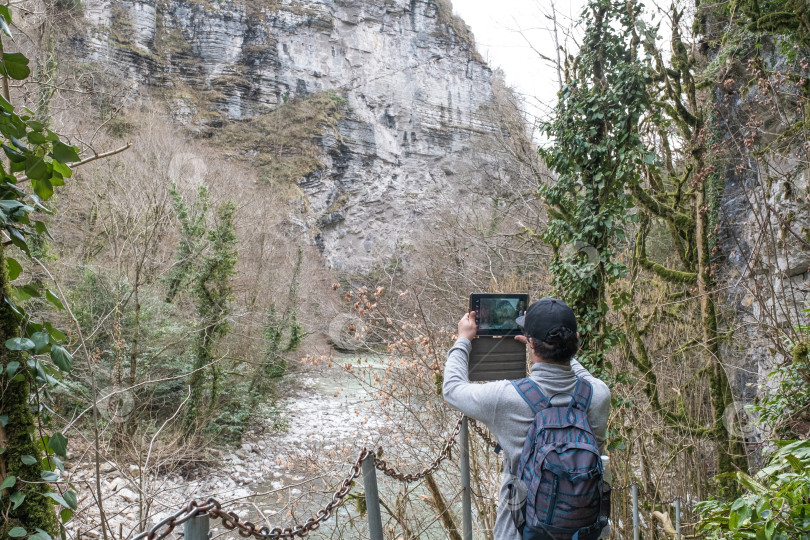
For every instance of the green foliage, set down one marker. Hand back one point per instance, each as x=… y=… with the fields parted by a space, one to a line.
x=33 y=355
x=787 y=406
x=210 y=279
x=596 y=153
x=274 y=363
x=192 y=237
x=789 y=18
x=775 y=505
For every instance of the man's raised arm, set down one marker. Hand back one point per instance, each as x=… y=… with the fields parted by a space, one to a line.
x=475 y=400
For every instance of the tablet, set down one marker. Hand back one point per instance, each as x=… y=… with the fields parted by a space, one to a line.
x=495 y=313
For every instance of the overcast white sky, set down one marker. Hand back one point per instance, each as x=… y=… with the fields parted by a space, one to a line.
x=513 y=34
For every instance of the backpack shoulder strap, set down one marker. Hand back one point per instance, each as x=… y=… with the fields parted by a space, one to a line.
x=531 y=394
x=583 y=392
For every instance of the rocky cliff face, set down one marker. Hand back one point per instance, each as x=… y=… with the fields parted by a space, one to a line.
x=415 y=94
x=764 y=220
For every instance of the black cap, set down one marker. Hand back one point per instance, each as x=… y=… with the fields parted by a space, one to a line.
x=546 y=315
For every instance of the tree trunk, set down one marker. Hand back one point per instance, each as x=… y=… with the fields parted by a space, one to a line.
x=17 y=436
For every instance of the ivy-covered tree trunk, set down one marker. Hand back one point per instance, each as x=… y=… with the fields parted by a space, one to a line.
x=676 y=194
x=212 y=290
x=22 y=458
x=595 y=151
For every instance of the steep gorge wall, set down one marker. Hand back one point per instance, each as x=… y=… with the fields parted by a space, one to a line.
x=764 y=210
x=416 y=97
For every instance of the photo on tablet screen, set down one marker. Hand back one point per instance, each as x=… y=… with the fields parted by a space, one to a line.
x=496 y=313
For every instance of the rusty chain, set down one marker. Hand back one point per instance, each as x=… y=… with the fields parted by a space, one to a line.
x=445 y=453
x=192 y=509
x=246 y=529
x=231 y=521
x=483 y=434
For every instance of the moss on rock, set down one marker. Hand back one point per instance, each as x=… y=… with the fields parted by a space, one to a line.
x=283 y=143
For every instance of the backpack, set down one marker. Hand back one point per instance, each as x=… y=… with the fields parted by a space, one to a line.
x=558 y=493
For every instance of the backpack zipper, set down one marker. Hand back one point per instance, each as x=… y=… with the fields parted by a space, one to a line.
x=553 y=503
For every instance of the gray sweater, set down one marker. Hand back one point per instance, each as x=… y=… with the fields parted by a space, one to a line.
x=508 y=417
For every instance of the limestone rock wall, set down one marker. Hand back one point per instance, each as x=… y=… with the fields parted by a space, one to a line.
x=416 y=96
x=764 y=226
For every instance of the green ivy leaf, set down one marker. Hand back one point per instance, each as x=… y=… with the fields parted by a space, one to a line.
x=28 y=460
x=12 y=368
x=71 y=499
x=36 y=138
x=43 y=187
x=8 y=482
x=41 y=228
x=17 y=498
x=56 y=498
x=65 y=515
x=56 y=334
x=41 y=341
x=36 y=168
x=19 y=344
x=14 y=268
x=61 y=169
x=18 y=239
x=17 y=532
x=56 y=463
x=58 y=444
x=62 y=358
x=4 y=25
x=24 y=292
x=64 y=153
x=53 y=299
x=49 y=476
x=16 y=66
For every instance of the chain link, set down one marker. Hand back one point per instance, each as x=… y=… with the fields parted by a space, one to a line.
x=445 y=453
x=484 y=434
x=246 y=529
x=192 y=509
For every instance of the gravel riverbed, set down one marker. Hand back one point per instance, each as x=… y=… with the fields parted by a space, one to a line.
x=275 y=478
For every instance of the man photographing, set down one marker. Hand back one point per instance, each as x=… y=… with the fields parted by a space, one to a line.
x=559 y=399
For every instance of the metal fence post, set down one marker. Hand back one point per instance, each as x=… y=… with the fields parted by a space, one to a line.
x=678 y=518
x=375 y=529
x=466 y=502
x=635 y=512
x=197 y=528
